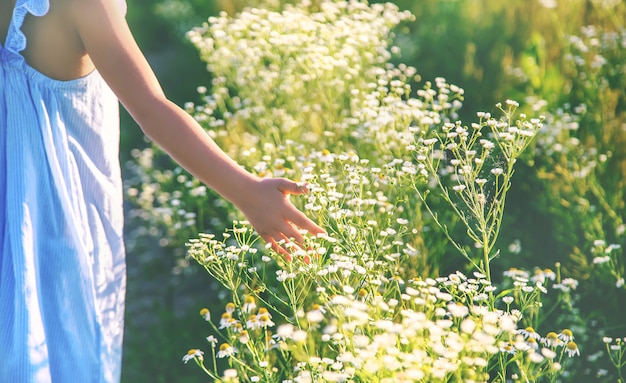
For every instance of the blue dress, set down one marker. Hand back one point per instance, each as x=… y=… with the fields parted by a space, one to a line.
x=62 y=260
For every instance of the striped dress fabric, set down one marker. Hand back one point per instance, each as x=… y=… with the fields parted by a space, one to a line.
x=62 y=260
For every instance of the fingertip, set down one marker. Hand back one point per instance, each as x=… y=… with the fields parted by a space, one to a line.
x=319 y=232
x=300 y=188
x=292 y=187
x=276 y=247
x=303 y=186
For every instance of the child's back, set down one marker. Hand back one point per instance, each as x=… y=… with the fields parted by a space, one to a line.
x=54 y=46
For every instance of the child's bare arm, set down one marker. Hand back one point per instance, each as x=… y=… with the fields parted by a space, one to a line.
x=110 y=44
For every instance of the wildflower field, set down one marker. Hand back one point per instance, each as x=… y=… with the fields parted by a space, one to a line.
x=467 y=162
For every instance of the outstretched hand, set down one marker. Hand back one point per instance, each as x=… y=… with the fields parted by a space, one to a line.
x=268 y=209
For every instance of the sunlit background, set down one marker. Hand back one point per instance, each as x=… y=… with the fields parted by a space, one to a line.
x=493 y=49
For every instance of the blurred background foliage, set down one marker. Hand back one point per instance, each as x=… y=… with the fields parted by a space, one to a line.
x=518 y=49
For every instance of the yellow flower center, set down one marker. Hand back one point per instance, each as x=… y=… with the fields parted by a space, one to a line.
x=572 y=346
x=224 y=346
x=567 y=332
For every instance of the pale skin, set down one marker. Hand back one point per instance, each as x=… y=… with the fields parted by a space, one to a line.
x=78 y=36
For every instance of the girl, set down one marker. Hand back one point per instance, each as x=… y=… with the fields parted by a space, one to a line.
x=63 y=66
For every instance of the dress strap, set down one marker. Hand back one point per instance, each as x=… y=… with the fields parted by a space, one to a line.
x=15 y=40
